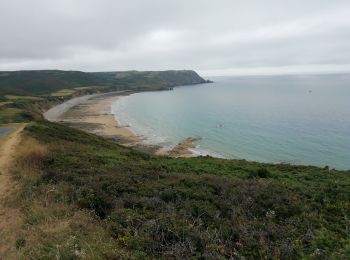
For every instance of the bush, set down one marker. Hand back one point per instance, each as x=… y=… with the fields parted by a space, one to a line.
x=97 y=201
x=21 y=242
x=260 y=173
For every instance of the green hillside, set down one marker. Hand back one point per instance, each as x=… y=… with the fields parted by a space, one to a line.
x=44 y=82
x=87 y=197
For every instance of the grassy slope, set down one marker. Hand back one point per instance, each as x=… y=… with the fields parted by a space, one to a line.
x=86 y=196
x=44 y=82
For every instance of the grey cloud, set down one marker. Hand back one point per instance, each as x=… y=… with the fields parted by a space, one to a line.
x=223 y=35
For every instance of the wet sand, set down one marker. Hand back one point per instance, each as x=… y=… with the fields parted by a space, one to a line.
x=54 y=114
x=93 y=114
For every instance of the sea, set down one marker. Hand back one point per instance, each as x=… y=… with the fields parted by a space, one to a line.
x=296 y=119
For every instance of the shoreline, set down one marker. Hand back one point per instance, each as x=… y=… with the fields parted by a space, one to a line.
x=93 y=114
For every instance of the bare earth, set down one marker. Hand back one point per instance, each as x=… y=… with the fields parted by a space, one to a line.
x=93 y=114
x=8 y=146
x=9 y=217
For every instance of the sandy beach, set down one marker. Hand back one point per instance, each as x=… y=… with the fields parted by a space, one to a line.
x=93 y=114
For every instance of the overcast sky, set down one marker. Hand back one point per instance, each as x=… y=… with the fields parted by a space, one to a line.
x=218 y=37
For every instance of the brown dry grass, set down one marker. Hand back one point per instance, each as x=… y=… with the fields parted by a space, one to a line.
x=10 y=217
x=14 y=97
x=35 y=214
x=24 y=221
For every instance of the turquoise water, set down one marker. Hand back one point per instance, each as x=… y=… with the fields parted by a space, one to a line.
x=293 y=119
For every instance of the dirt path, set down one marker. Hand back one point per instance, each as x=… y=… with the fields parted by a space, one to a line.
x=7 y=149
x=9 y=217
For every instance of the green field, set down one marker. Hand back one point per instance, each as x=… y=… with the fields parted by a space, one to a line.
x=5 y=103
x=10 y=115
x=64 y=92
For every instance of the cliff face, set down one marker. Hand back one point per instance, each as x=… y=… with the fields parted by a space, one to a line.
x=151 y=80
x=179 y=77
x=44 y=82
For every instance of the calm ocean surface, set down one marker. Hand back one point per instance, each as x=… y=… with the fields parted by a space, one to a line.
x=294 y=119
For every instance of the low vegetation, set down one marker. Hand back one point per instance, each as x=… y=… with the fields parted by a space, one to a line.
x=64 y=92
x=12 y=114
x=84 y=196
x=14 y=97
x=3 y=103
